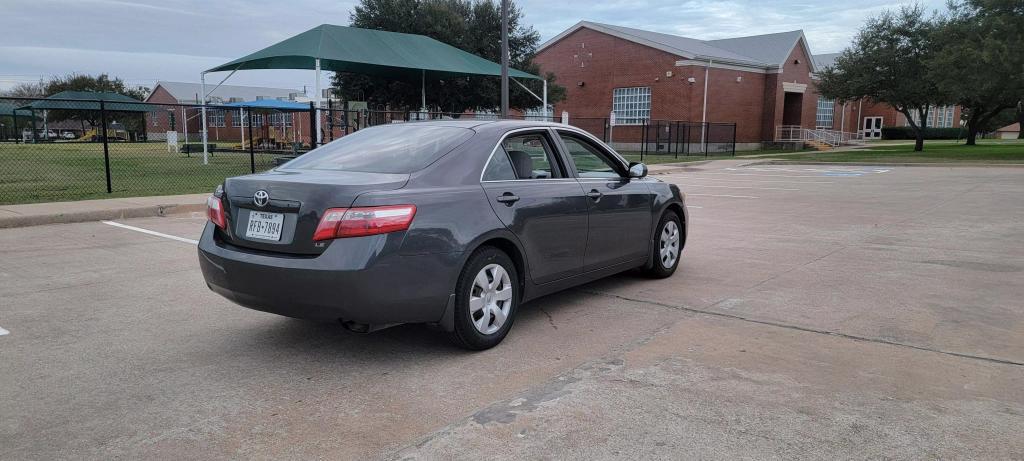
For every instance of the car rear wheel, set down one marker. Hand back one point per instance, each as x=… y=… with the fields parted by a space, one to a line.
x=486 y=299
x=668 y=246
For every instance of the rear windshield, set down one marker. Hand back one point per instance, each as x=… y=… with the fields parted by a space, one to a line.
x=384 y=149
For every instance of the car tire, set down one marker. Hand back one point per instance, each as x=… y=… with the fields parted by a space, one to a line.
x=668 y=247
x=486 y=300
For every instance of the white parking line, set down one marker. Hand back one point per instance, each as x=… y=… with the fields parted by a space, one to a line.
x=147 y=231
x=693 y=206
x=715 y=195
x=738 y=187
x=3 y=331
x=755 y=174
x=786 y=181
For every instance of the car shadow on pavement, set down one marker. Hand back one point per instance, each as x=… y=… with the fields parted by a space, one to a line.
x=277 y=335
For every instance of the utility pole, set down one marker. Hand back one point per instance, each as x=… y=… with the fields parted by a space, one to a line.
x=504 y=58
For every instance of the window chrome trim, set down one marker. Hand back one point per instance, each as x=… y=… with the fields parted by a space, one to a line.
x=498 y=145
x=601 y=144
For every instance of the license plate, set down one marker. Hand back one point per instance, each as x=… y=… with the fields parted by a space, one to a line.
x=264 y=226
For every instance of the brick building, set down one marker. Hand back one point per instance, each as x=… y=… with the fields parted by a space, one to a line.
x=868 y=118
x=183 y=114
x=759 y=82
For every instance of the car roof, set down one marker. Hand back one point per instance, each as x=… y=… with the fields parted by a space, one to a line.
x=476 y=123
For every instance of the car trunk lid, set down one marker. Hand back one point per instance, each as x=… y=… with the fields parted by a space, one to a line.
x=279 y=210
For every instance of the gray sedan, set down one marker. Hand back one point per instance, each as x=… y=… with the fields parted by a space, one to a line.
x=454 y=223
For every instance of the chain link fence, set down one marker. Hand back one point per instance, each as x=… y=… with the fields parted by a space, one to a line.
x=59 y=150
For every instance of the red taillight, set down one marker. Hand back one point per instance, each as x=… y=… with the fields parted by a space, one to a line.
x=358 y=222
x=215 y=211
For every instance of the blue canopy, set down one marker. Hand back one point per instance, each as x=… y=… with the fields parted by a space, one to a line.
x=271 y=104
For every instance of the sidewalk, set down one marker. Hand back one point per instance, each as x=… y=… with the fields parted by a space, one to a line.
x=35 y=214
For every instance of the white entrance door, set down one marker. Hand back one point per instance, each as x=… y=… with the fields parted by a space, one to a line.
x=872 y=128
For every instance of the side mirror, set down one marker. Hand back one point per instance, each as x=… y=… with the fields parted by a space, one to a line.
x=637 y=170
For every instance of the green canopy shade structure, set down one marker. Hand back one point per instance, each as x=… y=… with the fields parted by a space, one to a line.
x=366 y=51
x=12 y=112
x=90 y=100
x=370 y=52
x=87 y=100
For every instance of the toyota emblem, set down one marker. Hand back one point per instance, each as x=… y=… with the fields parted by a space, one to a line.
x=261 y=198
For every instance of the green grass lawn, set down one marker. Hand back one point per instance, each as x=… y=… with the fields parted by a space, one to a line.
x=75 y=171
x=987 y=151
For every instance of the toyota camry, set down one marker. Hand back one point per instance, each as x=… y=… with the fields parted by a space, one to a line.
x=453 y=223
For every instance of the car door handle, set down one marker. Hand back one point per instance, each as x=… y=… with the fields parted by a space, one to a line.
x=594 y=194
x=508 y=198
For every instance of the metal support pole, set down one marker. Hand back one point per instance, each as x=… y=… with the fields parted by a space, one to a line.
x=704 y=112
x=546 y=103
x=330 y=118
x=106 y=148
x=242 y=124
x=423 y=91
x=319 y=103
x=33 y=115
x=733 y=139
x=504 y=58
x=206 y=150
x=252 y=146
x=312 y=126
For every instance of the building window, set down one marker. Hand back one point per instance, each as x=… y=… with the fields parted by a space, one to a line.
x=216 y=118
x=632 y=106
x=938 y=117
x=239 y=119
x=279 y=118
x=826 y=111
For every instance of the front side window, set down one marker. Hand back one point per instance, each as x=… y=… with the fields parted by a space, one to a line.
x=531 y=156
x=402 y=148
x=589 y=160
x=632 y=106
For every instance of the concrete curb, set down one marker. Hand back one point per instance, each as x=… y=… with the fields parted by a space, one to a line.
x=13 y=220
x=7 y=222
x=947 y=165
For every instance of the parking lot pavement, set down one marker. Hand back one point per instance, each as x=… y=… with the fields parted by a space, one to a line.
x=818 y=312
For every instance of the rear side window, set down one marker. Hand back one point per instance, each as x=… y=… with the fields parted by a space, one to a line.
x=385 y=149
x=531 y=156
x=499 y=168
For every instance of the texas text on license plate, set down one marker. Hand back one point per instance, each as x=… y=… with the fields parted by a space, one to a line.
x=265 y=226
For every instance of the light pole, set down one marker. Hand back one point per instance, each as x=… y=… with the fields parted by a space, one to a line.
x=504 y=58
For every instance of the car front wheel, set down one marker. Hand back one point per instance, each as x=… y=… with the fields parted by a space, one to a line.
x=668 y=246
x=486 y=300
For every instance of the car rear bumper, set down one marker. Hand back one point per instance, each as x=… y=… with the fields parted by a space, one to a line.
x=363 y=280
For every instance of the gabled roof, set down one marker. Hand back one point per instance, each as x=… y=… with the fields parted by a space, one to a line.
x=762 y=51
x=772 y=49
x=187 y=92
x=825 y=60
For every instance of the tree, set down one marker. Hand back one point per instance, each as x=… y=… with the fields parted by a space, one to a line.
x=473 y=26
x=99 y=83
x=980 y=61
x=1020 y=118
x=25 y=90
x=888 y=63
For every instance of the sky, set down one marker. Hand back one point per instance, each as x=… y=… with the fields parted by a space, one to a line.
x=143 y=41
